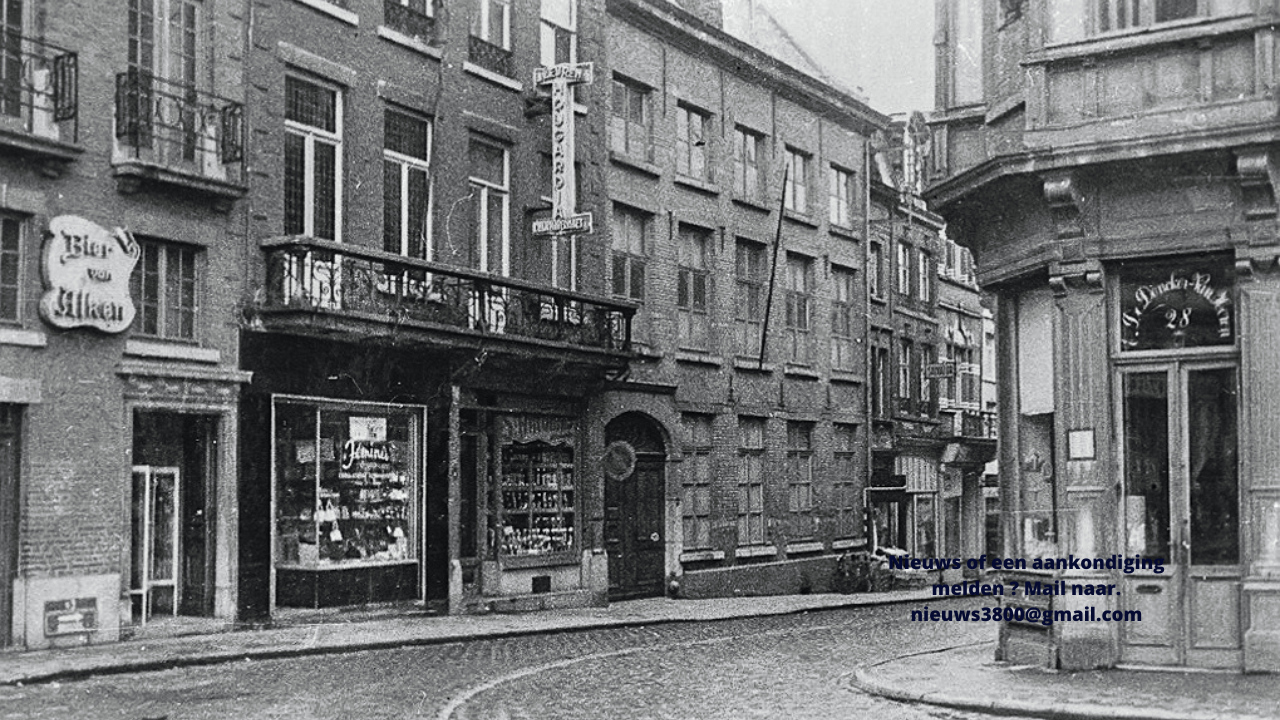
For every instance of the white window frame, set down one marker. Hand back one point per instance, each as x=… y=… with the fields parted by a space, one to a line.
x=687 y=147
x=407 y=164
x=840 y=201
x=797 y=187
x=312 y=135
x=488 y=190
x=548 y=25
x=843 y=279
x=485 y=29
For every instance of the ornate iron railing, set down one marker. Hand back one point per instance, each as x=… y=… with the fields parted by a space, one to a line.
x=410 y=18
x=980 y=424
x=179 y=127
x=39 y=87
x=319 y=275
x=489 y=56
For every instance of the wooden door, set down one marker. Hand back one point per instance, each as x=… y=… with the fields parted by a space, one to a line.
x=635 y=520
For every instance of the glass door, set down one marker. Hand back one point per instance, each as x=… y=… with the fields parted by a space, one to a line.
x=1181 y=505
x=154 y=586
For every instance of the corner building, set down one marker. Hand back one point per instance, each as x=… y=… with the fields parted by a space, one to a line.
x=425 y=369
x=122 y=169
x=745 y=404
x=1111 y=165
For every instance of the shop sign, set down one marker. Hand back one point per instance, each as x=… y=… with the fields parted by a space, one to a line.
x=565 y=218
x=540 y=428
x=87 y=270
x=1177 y=309
x=936 y=371
x=70 y=617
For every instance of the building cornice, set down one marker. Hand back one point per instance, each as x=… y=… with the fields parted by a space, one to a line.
x=686 y=31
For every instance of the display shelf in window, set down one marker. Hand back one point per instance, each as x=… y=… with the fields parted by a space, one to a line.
x=346 y=486
x=538 y=499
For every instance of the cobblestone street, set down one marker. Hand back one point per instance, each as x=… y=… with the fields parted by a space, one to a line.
x=791 y=666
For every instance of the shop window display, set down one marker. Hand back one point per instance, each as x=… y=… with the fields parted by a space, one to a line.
x=537 y=499
x=346 y=483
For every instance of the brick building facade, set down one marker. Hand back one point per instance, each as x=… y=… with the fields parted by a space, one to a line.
x=121 y=268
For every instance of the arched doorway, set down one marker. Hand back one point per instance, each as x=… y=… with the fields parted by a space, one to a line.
x=634 y=498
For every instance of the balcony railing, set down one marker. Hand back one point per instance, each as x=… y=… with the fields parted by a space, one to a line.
x=490 y=57
x=410 y=18
x=179 y=127
x=981 y=424
x=348 y=280
x=39 y=88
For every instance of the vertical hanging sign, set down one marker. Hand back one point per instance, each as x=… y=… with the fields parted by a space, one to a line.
x=565 y=218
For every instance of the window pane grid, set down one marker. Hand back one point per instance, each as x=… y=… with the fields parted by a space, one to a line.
x=751 y=481
x=10 y=267
x=165 y=289
x=697 y=481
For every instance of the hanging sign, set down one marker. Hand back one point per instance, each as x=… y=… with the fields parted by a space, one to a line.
x=565 y=218
x=87 y=270
x=1179 y=308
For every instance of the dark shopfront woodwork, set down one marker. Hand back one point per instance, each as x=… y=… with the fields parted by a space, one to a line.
x=10 y=432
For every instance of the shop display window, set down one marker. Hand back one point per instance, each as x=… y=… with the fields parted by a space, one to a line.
x=346 y=483
x=537 y=499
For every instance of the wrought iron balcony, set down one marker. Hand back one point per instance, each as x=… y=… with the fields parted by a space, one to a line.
x=347 y=288
x=490 y=57
x=174 y=133
x=39 y=97
x=971 y=425
x=411 y=18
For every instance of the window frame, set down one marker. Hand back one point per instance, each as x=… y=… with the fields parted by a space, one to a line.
x=797 y=185
x=744 y=137
x=844 y=306
x=799 y=306
x=622 y=128
x=19 y=256
x=407 y=164
x=545 y=24
x=875 y=278
x=488 y=190
x=699 y=449
x=838 y=198
x=687 y=148
x=751 y=459
x=799 y=475
x=311 y=136
x=694 y=264
x=162 y=308
x=481 y=22
x=845 y=475
x=746 y=285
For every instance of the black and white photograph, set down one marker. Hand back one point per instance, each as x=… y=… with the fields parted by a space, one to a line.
x=639 y=359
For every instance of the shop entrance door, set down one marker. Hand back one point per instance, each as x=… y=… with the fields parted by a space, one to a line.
x=634 y=518
x=154 y=585
x=9 y=463
x=1181 y=503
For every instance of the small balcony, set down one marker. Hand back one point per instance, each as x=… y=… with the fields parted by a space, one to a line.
x=353 y=293
x=39 y=100
x=491 y=57
x=411 y=18
x=970 y=425
x=173 y=134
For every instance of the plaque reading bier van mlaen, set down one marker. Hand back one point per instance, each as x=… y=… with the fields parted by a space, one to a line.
x=86 y=272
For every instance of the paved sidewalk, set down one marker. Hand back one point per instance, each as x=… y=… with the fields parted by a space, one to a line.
x=368 y=632
x=967 y=678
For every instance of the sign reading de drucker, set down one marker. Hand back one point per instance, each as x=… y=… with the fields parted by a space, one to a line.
x=87 y=270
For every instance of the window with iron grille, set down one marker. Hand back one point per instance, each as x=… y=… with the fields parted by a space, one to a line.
x=165 y=289
x=751 y=457
x=843 y=314
x=167 y=72
x=799 y=309
x=489 y=180
x=747 y=151
x=693 y=287
x=312 y=159
x=11 y=227
x=750 y=273
x=693 y=136
x=559 y=42
x=840 y=202
x=697 y=474
x=846 y=501
x=406 y=189
x=631 y=122
x=797 y=188
x=800 y=478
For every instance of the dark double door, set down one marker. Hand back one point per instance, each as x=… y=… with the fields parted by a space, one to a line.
x=634 y=518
